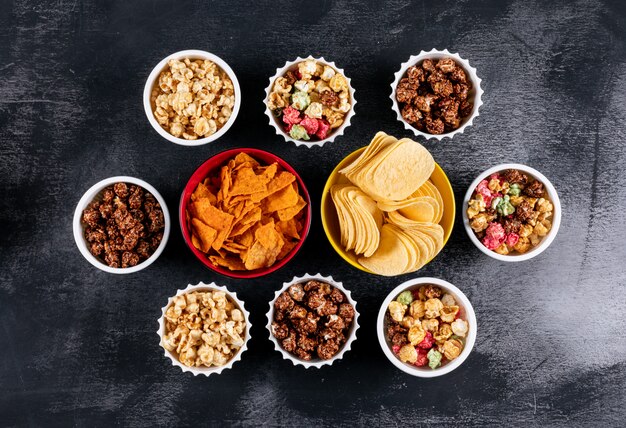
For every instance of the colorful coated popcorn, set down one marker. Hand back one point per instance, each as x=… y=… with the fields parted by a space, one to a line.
x=426 y=327
x=310 y=100
x=510 y=212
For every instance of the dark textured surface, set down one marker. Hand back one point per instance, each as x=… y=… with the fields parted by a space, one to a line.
x=78 y=346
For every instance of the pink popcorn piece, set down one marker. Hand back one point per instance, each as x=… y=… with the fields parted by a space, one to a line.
x=483 y=189
x=291 y=116
x=496 y=176
x=511 y=239
x=422 y=357
x=395 y=349
x=322 y=130
x=494 y=236
x=288 y=127
x=310 y=125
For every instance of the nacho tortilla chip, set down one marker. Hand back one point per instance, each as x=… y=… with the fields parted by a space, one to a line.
x=205 y=234
x=288 y=213
x=285 y=198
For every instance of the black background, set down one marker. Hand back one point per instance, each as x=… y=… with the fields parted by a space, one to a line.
x=78 y=346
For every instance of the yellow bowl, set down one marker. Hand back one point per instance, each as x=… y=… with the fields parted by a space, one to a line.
x=330 y=220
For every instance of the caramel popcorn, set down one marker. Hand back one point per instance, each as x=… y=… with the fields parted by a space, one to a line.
x=510 y=212
x=203 y=328
x=193 y=98
x=310 y=100
x=432 y=333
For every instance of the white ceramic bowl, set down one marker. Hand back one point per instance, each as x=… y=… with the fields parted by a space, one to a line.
x=556 y=216
x=351 y=336
x=274 y=121
x=475 y=94
x=426 y=371
x=94 y=192
x=206 y=371
x=153 y=78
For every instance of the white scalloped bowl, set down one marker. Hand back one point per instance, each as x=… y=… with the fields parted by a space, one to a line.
x=206 y=371
x=318 y=362
x=553 y=197
x=95 y=192
x=278 y=126
x=153 y=78
x=475 y=94
x=470 y=317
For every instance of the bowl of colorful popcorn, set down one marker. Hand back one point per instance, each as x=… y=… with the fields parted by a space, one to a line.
x=436 y=94
x=192 y=97
x=312 y=321
x=204 y=329
x=511 y=212
x=309 y=101
x=426 y=327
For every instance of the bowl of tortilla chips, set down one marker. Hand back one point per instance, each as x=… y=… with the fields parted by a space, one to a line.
x=245 y=213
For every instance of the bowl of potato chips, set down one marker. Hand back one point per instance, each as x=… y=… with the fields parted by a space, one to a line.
x=245 y=213
x=388 y=208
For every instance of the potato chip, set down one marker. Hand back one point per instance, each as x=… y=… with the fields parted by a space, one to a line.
x=247 y=216
x=391 y=257
x=360 y=219
x=392 y=170
x=394 y=175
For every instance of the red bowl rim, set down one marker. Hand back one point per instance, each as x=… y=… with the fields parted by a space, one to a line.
x=218 y=160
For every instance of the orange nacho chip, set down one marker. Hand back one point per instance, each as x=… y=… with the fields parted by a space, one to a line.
x=285 y=198
x=202 y=191
x=246 y=216
x=211 y=216
x=204 y=234
x=289 y=213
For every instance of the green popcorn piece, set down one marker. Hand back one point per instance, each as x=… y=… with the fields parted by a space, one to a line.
x=434 y=358
x=300 y=100
x=515 y=190
x=298 y=132
x=406 y=297
x=505 y=207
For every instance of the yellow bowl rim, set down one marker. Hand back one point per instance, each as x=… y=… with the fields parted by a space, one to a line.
x=337 y=247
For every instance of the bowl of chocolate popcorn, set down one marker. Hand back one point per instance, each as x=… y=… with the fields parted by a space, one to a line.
x=309 y=101
x=192 y=97
x=312 y=321
x=511 y=212
x=121 y=225
x=204 y=329
x=436 y=94
x=426 y=327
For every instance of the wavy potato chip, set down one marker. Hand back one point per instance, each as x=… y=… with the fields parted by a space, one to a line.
x=394 y=175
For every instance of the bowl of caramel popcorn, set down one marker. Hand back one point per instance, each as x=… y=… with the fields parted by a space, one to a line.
x=204 y=329
x=511 y=212
x=309 y=101
x=436 y=94
x=426 y=327
x=192 y=97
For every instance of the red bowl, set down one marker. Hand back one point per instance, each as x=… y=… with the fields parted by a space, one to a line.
x=213 y=164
